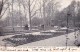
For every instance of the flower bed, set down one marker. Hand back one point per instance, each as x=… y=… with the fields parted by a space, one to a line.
x=24 y=39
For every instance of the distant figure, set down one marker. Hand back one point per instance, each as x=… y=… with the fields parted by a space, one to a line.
x=42 y=26
x=62 y=25
x=26 y=27
x=52 y=25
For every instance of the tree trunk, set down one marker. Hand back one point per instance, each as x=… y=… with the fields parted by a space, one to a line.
x=1 y=6
x=29 y=15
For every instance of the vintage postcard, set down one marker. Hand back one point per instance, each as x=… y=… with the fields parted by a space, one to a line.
x=40 y=25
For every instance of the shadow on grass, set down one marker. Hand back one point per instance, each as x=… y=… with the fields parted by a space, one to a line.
x=24 y=39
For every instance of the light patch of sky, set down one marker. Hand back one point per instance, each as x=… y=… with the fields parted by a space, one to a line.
x=63 y=4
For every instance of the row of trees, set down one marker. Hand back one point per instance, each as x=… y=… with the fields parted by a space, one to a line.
x=72 y=12
x=37 y=12
x=31 y=12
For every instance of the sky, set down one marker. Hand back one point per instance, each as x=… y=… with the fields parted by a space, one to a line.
x=63 y=4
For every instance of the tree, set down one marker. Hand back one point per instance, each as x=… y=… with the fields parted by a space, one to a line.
x=1 y=7
x=50 y=8
x=78 y=14
x=17 y=16
x=36 y=21
x=2 y=3
x=31 y=9
x=63 y=15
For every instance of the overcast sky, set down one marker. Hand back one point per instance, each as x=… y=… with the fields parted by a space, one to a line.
x=65 y=3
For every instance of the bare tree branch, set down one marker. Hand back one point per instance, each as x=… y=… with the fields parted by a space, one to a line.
x=35 y=12
x=32 y=2
x=5 y=2
x=5 y=11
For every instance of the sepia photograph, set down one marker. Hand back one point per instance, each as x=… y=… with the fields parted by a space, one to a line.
x=39 y=23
